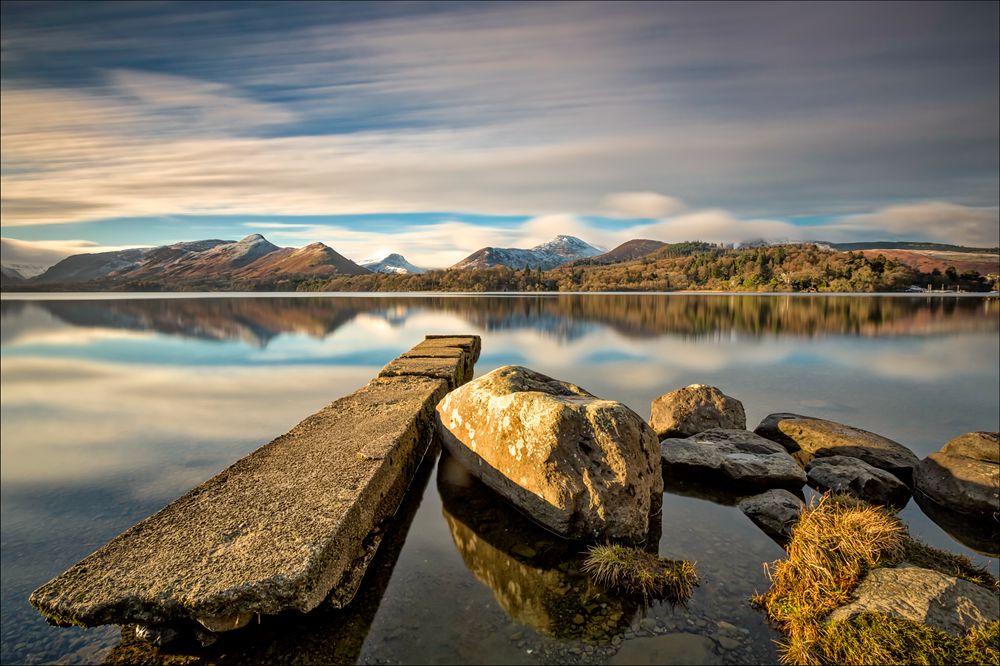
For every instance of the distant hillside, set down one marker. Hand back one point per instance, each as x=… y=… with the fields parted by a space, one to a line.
x=927 y=261
x=627 y=251
x=556 y=252
x=910 y=245
x=684 y=266
x=10 y=276
x=211 y=264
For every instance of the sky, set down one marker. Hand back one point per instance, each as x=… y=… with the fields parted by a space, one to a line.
x=435 y=129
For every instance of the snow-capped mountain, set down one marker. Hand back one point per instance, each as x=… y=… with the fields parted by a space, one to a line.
x=392 y=263
x=556 y=252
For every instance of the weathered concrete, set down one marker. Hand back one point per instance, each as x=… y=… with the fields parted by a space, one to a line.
x=289 y=525
x=451 y=358
x=325 y=635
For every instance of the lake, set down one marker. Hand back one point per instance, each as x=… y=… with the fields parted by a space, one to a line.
x=113 y=407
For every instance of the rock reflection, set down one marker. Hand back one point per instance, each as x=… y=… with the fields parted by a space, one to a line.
x=565 y=317
x=710 y=488
x=325 y=635
x=535 y=576
x=980 y=533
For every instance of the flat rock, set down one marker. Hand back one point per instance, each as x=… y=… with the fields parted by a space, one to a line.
x=963 y=476
x=853 y=476
x=922 y=595
x=291 y=524
x=774 y=511
x=819 y=437
x=735 y=455
x=678 y=648
x=696 y=408
x=581 y=466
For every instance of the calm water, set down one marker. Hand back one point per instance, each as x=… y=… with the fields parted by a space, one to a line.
x=112 y=408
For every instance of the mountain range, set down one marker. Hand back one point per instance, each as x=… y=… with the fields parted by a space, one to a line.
x=252 y=258
x=556 y=252
x=256 y=263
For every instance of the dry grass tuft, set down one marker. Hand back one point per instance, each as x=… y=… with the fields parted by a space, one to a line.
x=635 y=571
x=836 y=542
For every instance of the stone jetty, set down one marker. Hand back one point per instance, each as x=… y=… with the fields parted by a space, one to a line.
x=293 y=523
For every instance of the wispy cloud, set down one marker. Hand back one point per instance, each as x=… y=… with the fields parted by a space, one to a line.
x=751 y=115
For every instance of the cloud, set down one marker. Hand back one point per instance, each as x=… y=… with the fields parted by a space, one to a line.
x=33 y=257
x=936 y=220
x=642 y=204
x=527 y=109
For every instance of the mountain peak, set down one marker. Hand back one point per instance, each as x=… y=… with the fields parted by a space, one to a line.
x=253 y=238
x=392 y=263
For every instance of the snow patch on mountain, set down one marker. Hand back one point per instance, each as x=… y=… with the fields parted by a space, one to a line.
x=556 y=252
x=392 y=263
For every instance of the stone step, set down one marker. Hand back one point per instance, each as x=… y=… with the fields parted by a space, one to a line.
x=289 y=525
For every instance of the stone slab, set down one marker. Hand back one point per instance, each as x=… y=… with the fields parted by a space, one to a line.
x=291 y=524
x=451 y=370
x=472 y=344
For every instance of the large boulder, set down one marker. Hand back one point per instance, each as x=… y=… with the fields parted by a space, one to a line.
x=579 y=465
x=812 y=437
x=983 y=446
x=775 y=512
x=696 y=408
x=964 y=476
x=853 y=476
x=738 y=457
x=925 y=596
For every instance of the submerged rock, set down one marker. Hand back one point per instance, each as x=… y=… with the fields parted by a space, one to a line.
x=694 y=409
x=775 y=512
x=818 y=438
x=677 y=648
x=964 y=476
x=925 y=596
x=734 y=455
x=579 y=465
x=853 y=476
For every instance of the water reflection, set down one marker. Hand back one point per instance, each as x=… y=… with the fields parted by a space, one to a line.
x=980 y=533
x=257 y=321
x=535 y=576
x=113 y=408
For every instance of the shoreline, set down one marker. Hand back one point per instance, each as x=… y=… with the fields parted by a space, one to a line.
x=165 y=295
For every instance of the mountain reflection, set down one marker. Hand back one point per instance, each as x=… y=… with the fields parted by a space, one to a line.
x=564 y=317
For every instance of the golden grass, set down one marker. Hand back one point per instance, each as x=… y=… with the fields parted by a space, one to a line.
x=837 y=540
x=635 y=571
